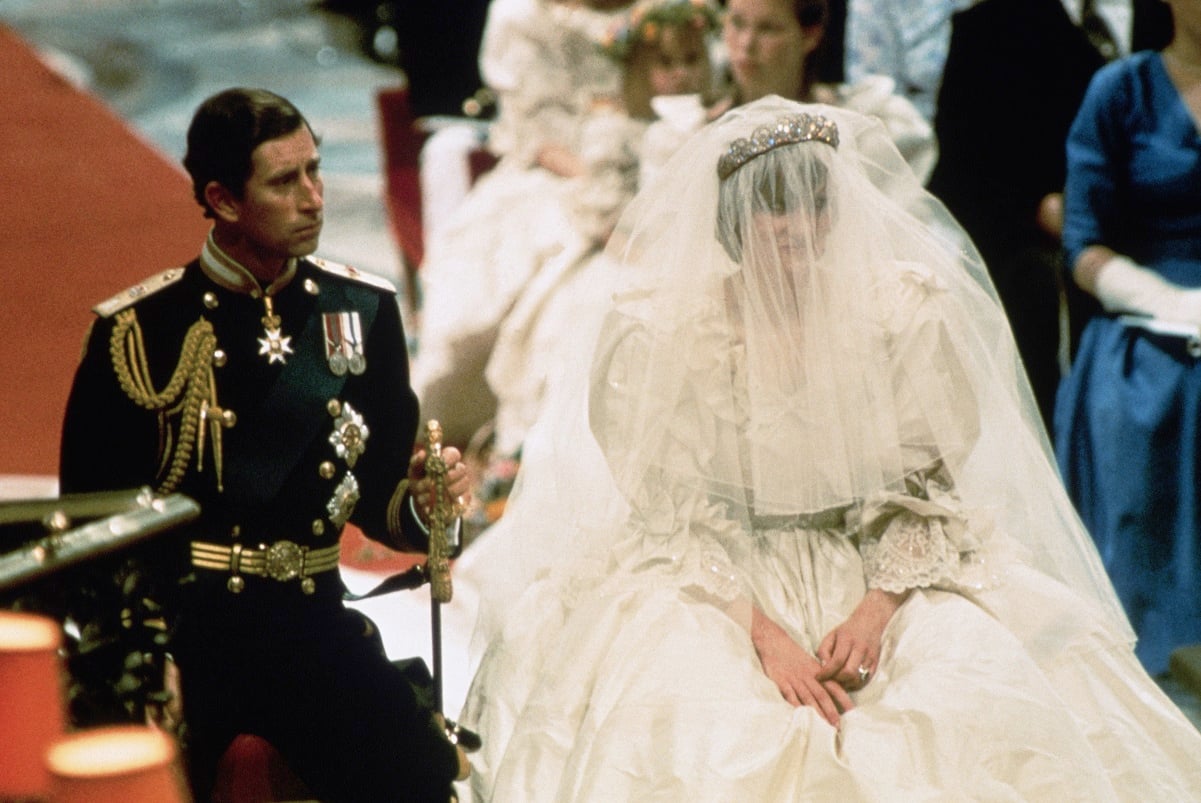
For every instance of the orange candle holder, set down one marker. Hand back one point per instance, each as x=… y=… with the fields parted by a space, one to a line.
x=116 y=764
x=32 y=707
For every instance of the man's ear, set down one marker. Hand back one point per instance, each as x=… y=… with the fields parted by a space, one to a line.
x=221 y=201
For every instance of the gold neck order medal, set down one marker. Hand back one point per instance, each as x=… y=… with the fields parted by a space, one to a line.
x=231 y=274
x=275 y=344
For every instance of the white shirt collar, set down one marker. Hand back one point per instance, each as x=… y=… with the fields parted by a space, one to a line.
x=1118 y=14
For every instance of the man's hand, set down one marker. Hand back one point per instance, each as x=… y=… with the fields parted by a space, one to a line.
x=458 y=481
x=464 y=764
x=794 y=671
x=1049 y=216
x=850 y=652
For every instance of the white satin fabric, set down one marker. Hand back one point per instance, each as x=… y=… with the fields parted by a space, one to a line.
x=784 y=417
x=633 y=677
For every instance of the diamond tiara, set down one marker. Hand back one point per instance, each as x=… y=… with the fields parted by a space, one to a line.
x=787 y=130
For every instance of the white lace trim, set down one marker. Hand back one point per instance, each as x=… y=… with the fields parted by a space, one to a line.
x=914 y=552
x=910 y=542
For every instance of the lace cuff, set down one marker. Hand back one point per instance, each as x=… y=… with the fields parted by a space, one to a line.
x=718 y=584
x=908 y=540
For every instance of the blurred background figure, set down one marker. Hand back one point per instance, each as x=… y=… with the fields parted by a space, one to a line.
x=435 y=42
x=906 y=40
x=543 y=59
x=1015 y=73
x=663 y=48
x=1128 y=433
x=780 y=47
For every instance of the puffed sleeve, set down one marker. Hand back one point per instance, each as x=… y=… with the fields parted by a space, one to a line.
x=675 y=529
x=519 y=62
x=919 y=535
x=912 y=133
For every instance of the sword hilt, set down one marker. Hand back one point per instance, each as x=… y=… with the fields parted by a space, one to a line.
x=442 y=511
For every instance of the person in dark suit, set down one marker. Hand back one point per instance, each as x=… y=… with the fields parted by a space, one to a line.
x=1015 y=74
x=272 y=387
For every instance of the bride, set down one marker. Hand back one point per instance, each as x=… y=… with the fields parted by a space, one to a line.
x=795 y=533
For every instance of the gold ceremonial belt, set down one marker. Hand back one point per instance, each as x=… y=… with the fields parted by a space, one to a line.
x=282 y=561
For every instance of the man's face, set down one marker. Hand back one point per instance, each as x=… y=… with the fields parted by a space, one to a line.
x=280 y=213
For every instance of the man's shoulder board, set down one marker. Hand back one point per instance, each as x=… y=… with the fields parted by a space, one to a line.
x=353 y=274
x=146 y=287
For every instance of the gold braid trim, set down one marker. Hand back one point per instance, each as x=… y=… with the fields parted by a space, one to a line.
x=191 y=385
x=395 y=510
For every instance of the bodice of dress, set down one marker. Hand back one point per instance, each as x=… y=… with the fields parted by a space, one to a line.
x=914 y=534
x=1134 y=167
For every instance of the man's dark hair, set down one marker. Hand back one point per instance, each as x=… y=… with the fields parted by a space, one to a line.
x=225 y=131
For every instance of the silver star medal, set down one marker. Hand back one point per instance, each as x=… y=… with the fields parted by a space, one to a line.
x=349 y=437
x=275 y=345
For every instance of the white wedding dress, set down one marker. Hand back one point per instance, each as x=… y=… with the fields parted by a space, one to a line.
x=636 y=679
x=787 y=422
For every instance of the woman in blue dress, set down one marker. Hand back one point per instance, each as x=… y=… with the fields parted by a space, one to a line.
x=1128 y=416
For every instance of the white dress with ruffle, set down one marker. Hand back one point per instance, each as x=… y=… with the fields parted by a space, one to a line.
x=632 y=675
x=548 y=68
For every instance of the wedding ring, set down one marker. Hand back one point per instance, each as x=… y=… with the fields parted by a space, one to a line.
x=864 y=674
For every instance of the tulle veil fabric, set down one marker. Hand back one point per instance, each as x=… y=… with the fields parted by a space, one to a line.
x=741 y=402
x=831 y=420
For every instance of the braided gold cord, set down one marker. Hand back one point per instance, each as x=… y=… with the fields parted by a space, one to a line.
x=395 y=507
x=195 y=393
x=192 y=379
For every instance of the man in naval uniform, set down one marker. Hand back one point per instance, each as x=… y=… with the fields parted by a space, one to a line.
x=272 y=387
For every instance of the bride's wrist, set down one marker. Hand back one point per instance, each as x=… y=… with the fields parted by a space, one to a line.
x=881 y=604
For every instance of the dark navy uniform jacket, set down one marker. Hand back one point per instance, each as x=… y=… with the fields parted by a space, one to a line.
x=276 y=479
x=180 y=388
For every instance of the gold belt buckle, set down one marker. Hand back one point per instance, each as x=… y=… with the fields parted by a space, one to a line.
x=283 y=561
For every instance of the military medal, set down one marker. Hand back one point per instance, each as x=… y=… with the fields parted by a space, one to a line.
x=344 y=343
x=275 y=345
x=341 y=504
x=349 y=437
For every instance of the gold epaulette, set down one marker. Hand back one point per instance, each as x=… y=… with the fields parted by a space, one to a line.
x=353 y=274
x=120 y=301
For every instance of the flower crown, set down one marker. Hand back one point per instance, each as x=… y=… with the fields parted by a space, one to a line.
x=646 y=20
x=788 y=130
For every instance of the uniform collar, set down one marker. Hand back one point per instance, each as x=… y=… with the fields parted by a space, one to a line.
x=227 y=272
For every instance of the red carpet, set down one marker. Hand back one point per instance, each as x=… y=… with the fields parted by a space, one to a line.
x=88 y=209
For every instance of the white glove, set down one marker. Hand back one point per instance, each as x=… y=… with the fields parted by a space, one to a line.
x=1125 y=286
